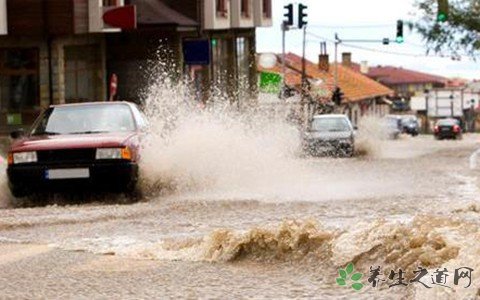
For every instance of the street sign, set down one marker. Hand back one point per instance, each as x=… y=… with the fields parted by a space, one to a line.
x=123 y=17
x=14 y=119
x=270 y=83
x=196 y=52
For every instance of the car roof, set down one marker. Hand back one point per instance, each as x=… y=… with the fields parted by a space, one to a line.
x=93 y=103
x=330 y=116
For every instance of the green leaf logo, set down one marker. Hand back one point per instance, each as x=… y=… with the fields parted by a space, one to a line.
x=345 y=277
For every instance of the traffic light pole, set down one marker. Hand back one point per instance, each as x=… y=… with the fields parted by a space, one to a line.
x=284 y=84
x=337 y=42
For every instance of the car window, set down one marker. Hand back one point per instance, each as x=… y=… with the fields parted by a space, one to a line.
x=82 y=119
x=331 y=124
x=447 y=122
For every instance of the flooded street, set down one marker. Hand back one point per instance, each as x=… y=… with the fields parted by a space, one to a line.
x=281 y=236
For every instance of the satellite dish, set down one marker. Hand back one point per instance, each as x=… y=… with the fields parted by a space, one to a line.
x=267 y=60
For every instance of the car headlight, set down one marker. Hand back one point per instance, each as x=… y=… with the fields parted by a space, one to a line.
x=22 y=157
x=346 y=141
x=113 y=153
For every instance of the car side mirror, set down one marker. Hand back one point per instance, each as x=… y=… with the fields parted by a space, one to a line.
x=19 y=133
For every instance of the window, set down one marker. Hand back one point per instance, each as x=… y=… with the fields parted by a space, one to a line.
x=110 y=2
x=267 y=9
x=81 y=78
x=19 y=78
x=222 y=10
x=245 y=8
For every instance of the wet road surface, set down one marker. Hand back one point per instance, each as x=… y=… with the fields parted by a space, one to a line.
x=412 y=203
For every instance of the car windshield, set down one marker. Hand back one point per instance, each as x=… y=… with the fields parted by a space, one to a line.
x=85 y=119
x=409 y=120
x=330 y=124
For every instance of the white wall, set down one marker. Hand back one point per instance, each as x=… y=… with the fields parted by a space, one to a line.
x=3 y=17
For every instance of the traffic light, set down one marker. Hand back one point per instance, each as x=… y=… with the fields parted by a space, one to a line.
x=302 y=15
x=337 y=96
x=288 y=15
x=442 y=14
x=399 y=38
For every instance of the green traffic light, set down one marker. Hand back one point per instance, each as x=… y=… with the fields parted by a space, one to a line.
x=399 y=39
x=442 y=17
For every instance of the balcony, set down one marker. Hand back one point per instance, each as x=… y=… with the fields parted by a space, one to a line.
x=242 y=14
x=96 y=8
x=3 y=17
x=263 y=13
x=217 y=14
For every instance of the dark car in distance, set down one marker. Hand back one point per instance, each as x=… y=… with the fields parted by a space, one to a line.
x=410 y=125
x=77 y=147
x=447 y=129
x=331 y=135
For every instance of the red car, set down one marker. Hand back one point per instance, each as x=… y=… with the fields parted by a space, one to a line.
x=76 y=147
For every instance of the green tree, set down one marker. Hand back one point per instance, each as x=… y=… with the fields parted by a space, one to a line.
x=459 y=35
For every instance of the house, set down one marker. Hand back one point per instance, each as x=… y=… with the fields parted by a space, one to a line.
x=406 y=83
x=362 y=95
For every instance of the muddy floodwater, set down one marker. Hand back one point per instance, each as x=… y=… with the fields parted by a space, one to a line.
x=414 y=203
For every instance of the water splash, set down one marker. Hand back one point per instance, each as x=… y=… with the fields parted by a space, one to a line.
x=473 y=159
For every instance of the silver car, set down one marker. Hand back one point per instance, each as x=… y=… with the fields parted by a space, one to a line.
x=331 y=135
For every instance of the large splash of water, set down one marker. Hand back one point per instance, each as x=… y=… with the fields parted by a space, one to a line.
x=217 y=147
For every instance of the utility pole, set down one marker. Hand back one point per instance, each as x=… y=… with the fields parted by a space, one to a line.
x=304 y=71
x=284 y=84
x=337 y=42
x=304 y=80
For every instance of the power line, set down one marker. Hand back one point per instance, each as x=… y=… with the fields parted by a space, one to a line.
x=351 y=26
x=321 y=38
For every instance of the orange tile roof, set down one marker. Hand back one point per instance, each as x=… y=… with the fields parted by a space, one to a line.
x=292 y=77
x=354 y=85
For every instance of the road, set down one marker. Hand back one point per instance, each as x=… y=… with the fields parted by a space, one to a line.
x=279 y=236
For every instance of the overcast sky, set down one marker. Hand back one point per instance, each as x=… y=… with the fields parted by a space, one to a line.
x=362 y=19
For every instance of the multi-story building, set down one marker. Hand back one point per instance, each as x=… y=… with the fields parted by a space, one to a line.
x=51 y=51
x=60 y=51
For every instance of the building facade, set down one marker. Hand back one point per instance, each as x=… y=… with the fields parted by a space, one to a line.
x=61 y=51
x=165 y=28
x=51 y=52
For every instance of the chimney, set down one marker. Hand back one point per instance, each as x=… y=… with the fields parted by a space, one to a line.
x=323 y=61
x=347 y=59
x=364 y=68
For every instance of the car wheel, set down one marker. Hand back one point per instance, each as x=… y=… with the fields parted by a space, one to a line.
x=133 y=193
x=350 y=153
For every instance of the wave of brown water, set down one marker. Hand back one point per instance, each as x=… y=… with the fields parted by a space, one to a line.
x=430 y=242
